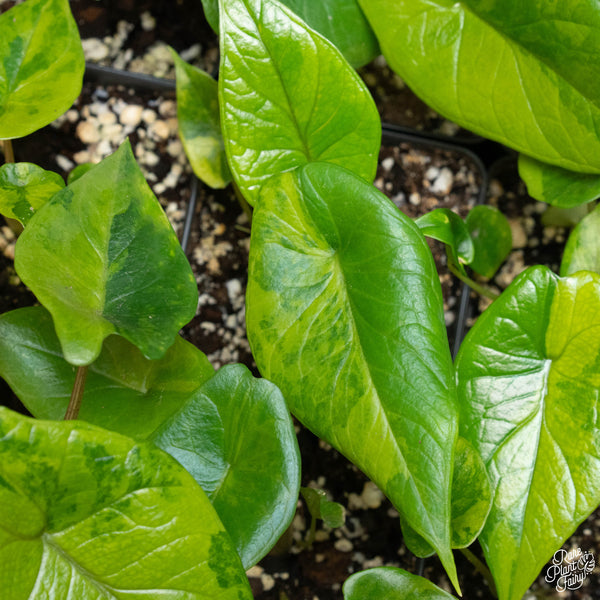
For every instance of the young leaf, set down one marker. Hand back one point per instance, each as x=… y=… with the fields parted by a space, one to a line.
x=446 y=226
x=24 y=187
x=199 y=123
x=391 y=584
x=528 y=375
x=288 y=97
x=78 y=171
x=558 y=186
x=102 y=257
x=124 y=391
x=236 y=437
x=331 y=513
x=41 y=65
x=492 y=239
x=582 y=252
x=101 y=517
x=344 y=314
x=523 y=74
x=471 y=502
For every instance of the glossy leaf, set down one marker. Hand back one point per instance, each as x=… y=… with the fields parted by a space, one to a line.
x=24 y=187
x=344 y=314
x=342 y=22
x=446 y=226
x=236 y=437
x=582 y=251
x=124 y=391
x=288 y=97
x=199 y=123
x=102 y=517
x=558 y=186
x=471 y=502
x=528 y=375
x=492 y=239
x=102 y=257
x=41 y=65
x=524 y=74
x=319 y=507
x=391 y=584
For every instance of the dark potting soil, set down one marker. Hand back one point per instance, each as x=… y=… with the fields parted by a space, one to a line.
x=415 y=180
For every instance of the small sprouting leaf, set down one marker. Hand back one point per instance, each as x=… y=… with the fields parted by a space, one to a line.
x=528 y=375
x=523 y=75
x=24 y=187
x=446 y=226
x=100 y=516
x=344 y=314
x=200 y=124
x=319 y=507
x=582 y=252
x=492 y=239
x=41 y=65
x=236 y=437
x=102 y=257
x=124 y=391
x=471 y=502
x=78 y=171
x=391 y=584
x=288 y=98
x=557 y=186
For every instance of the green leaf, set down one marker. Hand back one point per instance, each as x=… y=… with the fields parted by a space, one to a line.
x=124 y=391
x=582 y=252
x=344 y=314
x=319 y=507
x=211 y=12
x=78 y=171
x=523 y=74
x=558 y=186
x=199 y=123
x=24 y=187
x=41 y=65
x=528 y=375
x=391 y=584
x=236 y=437
x=471 y=502
x=446 y=226
x=102 y=257
x=102 y=517
x=288 y=97
x=492 y=239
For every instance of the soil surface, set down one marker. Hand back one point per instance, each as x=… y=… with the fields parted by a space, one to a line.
x=133 y=35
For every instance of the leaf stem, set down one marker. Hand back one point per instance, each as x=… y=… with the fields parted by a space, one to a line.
x=480 y=289
x=481 y=569
x=77 y=394
x=9 y=155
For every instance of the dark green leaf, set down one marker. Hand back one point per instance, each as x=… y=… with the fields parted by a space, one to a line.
x=525 y=74
x=200 y=125
x=446 y=226
x=557 y=186
x=391 y=584
x=124 y=391
x=528 y=376
x=102 y=257
x=471 y=502
x=41 y=65
x=102 y=517
x=236 y=437
x=492 y=239
x=288 y=97
x=24 y=187
x=344 y=314
x=211 y=12
x=582 y=251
